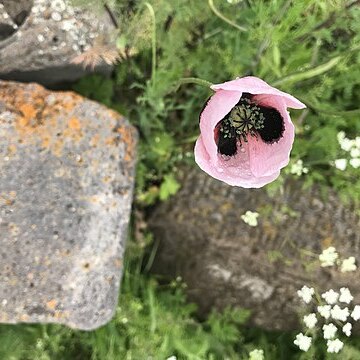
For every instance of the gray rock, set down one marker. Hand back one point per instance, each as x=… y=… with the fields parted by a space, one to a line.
x=51 y=41
x=226 y=262
x=66 y=180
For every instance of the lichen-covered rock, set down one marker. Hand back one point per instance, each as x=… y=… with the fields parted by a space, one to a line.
x=224 y=261
x=66 y=180
x=46 y=40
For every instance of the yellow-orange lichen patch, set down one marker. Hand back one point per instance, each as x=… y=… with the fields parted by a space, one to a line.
x=39 y=121
x=107 y=179
x=127 y=137
x=74 y=123
x=95 y=140
x=24 y=317
x=46 y=119
x=110 y=141
x=12 y=149
x=60 y=314
x=51 y=305
x=28 y=113
x=73 y=130
x=7 y=198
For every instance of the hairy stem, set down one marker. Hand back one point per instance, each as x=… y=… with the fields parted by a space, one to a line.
x=193 y=80
x=224 y=18
x=153 y=42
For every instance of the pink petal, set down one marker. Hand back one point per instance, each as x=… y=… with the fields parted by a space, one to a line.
x=235 y=171
x=265 y=159
x=218 y=106
x=254 y=85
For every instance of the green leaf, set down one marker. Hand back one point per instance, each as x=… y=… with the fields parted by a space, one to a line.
x=168 y=187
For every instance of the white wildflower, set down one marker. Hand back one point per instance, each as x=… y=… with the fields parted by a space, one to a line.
x=171 y=358
x=310 y=320
x=306 y=294
x=345 y=295
x=357 y=141
x=331 y=296
x=347 y=144
x=303 y=342
x=355 y=163
x=355 y=152
x=329 y=331
x=257 y=354
x=340 y=136
x=324 y=311
x=298 y=168
x=356 y=313
x=328 y=257
x=348 y=264
x=340 y=164
x=337 y=313
x=347 y=329
x=334 y=346
x=250 y=218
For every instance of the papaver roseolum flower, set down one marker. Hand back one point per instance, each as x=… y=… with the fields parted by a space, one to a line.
x=246 y=132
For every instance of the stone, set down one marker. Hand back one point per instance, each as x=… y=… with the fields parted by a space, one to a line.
x=226 y=262
x=52 y=41
x=66 y=182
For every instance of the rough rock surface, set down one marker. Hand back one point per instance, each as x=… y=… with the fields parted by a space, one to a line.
x=66 y=179
x=41 y=40
x=225 y=262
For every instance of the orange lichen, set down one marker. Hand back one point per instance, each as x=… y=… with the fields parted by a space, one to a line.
x=74 y=123
x=28 y=112
x=46 y=119
x=110 y=141
x=60 y=314
x=7 y=198
x=12 y=149
x=24 y=317
x=95 y=140
x=51 y=305
x=127 y=137
x=36 y=121
x=107 y=179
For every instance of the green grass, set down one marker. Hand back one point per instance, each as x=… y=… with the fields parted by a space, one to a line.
x=309 y=49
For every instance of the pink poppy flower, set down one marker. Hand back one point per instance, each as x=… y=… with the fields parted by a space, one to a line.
x=246 y=133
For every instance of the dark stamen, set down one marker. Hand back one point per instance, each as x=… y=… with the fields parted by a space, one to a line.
x=227 y=139
x=273 y=125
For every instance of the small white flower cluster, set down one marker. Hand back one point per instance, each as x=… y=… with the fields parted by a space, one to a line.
x=330 y=312
x=351 y=146
x=257 y=354
x=298 y=168
x=250 y=218
x=330 y=257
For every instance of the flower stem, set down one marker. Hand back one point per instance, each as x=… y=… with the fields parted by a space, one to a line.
x=307 y=74
x=153 y=41
x=193 y=80
x=224 y=18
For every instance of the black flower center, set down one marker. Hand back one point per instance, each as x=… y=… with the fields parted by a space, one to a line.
x=245 y=119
